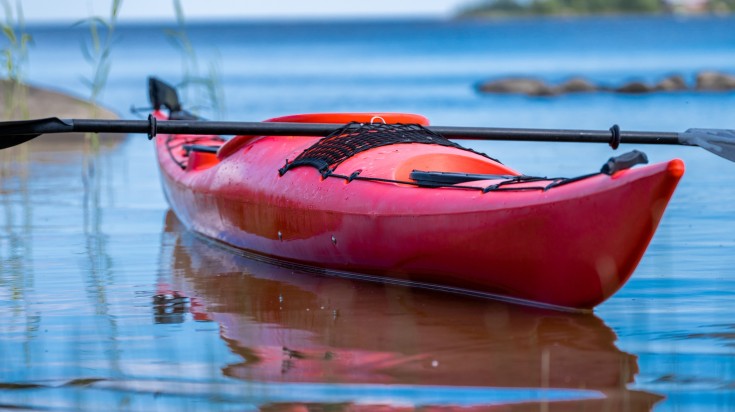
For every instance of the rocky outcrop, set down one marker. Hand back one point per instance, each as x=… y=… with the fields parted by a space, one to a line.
x=672 y=84
x=576 y=85
x=714 y=81
x=536 y=87
x=518 y=85
x=706 y=81
x=634 y=87
x=669 y=84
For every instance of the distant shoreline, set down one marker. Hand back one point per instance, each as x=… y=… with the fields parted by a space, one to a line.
x=563 y=16
x=373 y=20
x=502 y=9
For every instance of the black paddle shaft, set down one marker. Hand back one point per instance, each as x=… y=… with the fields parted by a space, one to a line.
x=557 y=135
x=32 y=128
x=323 y=129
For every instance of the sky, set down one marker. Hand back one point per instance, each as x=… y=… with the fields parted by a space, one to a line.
x=137 y=10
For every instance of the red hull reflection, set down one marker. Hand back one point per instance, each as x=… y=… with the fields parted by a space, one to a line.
x=294 y=327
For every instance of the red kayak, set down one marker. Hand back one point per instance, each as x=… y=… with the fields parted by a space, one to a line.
x=386 y=199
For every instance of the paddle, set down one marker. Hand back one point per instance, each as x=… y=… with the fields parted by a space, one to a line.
x=718 y=141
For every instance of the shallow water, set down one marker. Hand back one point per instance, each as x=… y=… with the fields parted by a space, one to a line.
x=106 y=302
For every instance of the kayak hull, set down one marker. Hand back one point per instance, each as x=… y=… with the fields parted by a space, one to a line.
x=570 y=246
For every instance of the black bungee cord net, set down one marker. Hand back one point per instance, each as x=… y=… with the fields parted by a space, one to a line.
x=330 y=151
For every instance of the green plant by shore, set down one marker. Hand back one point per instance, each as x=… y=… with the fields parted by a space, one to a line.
x=14 y=59
x=503 y=8
x=98 y=49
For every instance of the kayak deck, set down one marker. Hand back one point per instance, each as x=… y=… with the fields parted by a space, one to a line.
x=558 y=242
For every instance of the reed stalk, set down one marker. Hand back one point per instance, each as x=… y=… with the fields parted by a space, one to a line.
x=97 y=51
x=205 y=89
x=14 y=61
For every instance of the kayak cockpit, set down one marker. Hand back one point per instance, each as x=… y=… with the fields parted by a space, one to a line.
x=390 y=150
x=386 y=146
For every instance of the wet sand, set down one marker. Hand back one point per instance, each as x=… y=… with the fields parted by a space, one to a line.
x=31 y=102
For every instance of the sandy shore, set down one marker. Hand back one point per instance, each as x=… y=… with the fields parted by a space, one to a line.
x=36 y=103
x=30 y=102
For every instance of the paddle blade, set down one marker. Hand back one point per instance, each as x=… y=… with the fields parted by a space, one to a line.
x=718 y=141
x=163 y=94
x=15 y=140
x=20 y=131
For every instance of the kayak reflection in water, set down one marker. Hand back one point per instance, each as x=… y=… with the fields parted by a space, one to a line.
x=291 y=328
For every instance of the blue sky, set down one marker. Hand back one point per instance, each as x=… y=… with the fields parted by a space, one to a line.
x=134 y=10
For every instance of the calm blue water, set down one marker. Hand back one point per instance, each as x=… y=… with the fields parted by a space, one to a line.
x=105 y=302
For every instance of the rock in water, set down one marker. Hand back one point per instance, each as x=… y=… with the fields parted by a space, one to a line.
x=671 y=83
x=634 y=88
x=715 y=81
x=518 y=85
x=577 y=85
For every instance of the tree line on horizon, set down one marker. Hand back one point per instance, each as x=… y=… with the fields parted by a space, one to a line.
x=493 y=8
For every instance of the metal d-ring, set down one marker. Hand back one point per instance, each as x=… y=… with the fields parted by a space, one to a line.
x=374 y=118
